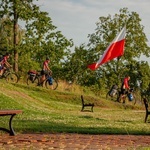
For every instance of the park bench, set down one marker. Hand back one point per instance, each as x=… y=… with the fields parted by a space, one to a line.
x=10 y=113
x=146 y=107
x=86 y=104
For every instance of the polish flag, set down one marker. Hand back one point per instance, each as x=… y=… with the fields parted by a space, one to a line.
x=115 y=49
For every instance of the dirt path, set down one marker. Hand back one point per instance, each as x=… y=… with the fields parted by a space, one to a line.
x=73 y=142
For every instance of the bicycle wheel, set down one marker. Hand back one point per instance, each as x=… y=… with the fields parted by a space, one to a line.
x=134 y=99
x=12 y=78
x=52 y=86
x=32 y=82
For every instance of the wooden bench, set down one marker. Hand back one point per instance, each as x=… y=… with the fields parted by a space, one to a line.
x=10 y=113
x=146 y=107
x=86 y=104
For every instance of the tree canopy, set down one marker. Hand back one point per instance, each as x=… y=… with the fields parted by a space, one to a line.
x=39 y=38
x=135 y=45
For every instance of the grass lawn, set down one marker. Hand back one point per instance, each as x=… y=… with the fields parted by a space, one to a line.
x=47 y=111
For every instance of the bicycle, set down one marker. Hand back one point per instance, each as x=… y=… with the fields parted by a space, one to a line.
x=10 y=76
x=113 y=93
x=34 y=80
x=51 y=83
x=129 y=94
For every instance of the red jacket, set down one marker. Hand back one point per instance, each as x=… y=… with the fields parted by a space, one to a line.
x=5 y=58
x=126 y=85
x=45 y=65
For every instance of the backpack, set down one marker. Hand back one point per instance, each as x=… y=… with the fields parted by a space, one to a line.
x=50 y=80
x=130 y=96
x=113 y=90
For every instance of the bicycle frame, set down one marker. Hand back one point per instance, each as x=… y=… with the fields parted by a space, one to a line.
x=5 y=73
x=10 y=76
x=126 y=96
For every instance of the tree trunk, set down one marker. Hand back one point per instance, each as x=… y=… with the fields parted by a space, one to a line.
x=15 y=38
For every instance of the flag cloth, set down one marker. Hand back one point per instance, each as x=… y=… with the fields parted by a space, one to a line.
x=115 y=49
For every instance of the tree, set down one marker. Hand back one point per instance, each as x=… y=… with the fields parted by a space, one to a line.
x=40 y=36
x=9 y=9
x=142 y=72
x=135 y=46
x=7 y=38
x=75 y=67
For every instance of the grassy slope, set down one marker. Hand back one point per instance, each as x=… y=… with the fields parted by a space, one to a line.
x=59 y=111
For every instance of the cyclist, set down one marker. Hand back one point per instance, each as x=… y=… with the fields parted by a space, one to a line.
x=45 y=70
x=124 y=88
x=4 y=63
x=125 y=85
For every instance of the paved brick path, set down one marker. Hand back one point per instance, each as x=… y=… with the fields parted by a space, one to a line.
x=73 y=142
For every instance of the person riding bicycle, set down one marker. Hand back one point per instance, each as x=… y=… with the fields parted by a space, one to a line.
x=4 y=63
x=124 y=87
x=45 y=70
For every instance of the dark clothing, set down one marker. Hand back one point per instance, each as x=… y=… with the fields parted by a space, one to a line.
x=44 y=72
x=123 y=91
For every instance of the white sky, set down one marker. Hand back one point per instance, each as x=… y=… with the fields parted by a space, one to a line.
x=76 y=18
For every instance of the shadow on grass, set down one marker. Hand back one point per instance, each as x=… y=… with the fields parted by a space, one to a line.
x=125 y=121
x=40 y=126
x=86 y=117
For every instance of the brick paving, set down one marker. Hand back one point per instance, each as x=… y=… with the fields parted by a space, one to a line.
x=62 y=141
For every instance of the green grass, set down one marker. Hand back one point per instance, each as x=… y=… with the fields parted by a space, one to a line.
x=50 y=111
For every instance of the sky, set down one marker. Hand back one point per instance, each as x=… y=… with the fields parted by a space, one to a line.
x=77 y=18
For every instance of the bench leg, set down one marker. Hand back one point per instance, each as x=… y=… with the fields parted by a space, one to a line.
x=10 y=125
x=146 y=117
x=82 y=108
x=10 y=131
x=92 y=108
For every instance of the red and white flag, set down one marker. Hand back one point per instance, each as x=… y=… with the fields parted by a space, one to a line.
x=115 y=49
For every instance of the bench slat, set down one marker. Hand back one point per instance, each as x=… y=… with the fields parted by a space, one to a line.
x=10 y=112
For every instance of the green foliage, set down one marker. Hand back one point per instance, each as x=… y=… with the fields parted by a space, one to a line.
x=114 y=71
x=143 y=75
x=135 y=46
x=39 y=38
x=50 y=111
